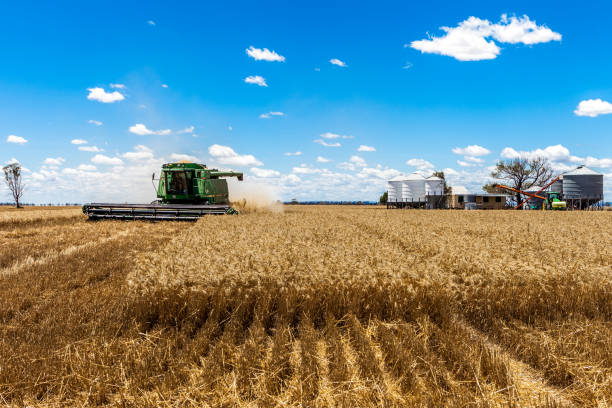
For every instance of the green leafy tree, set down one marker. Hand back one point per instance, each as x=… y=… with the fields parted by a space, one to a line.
x=440 y=174
x=383 y=198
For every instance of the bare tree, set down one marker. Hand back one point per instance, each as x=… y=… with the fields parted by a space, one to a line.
x=522 y=174
x=12 y=178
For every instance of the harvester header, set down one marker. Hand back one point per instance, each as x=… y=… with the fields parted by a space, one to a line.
x=185 y=191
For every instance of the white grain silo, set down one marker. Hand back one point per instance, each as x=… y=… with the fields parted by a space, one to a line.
x=434 y=186
x=416 y=184
x=394 y=189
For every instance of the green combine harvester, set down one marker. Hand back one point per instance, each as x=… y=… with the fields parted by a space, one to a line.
x=185 y=192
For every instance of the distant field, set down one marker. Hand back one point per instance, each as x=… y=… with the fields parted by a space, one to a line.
x=314 y=306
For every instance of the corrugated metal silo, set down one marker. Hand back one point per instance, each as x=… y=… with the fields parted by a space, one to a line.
x=583 y=183
x=557 y=186
x=416 y=183
x=434 y=186
x=394 y=189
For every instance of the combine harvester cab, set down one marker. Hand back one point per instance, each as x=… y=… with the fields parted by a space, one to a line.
x=185 y=192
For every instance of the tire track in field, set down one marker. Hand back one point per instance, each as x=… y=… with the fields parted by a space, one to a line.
x=530 y=382
x=31 y=261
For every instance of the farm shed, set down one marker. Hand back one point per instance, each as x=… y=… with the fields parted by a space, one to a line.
x=459 y=197
x=491 y=201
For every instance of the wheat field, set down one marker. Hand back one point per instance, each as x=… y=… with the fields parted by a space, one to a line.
x=308 y=307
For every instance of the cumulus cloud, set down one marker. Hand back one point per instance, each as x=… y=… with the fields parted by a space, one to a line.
x=330 y=135
x=189 y=129
x=364 y=148
x=78 y=141
x=358 y=161
x=151 y=23
x=265 y=54
x=256 y=79
x=140 y=153
x=336 y=61
x=293 y=153
x=420 y=164
x=90 y=149
x=321 y=159
x=559 y=156
x=380 y=172
x=100 y=95
x=87 y=167
x=270 y=114
x=227 y=155
x=303 y=169
x=184 y=157
x=142 y=130
x=117 y=86
x=16 y=139
x=164 y=85
x=95 y=122
x=102 y=159
x=57 y=161
x=471 y=150
x=326 y=144
x=474 y=39
x=264 y=173
x=593 y=108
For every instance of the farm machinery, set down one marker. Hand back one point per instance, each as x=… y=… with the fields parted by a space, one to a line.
x=185 y=192
x=551 y=200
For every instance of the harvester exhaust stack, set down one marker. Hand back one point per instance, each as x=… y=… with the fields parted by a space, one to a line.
x=185 y=192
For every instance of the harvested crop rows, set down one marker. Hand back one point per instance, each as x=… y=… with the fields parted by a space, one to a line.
x=315 y=306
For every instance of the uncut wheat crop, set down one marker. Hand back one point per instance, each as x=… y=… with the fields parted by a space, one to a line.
x=311 y=307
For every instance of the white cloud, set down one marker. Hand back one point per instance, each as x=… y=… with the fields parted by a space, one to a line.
x=330 y=135
x=357 y=161
x=102 y=159
x=16 y=139
x=379 y=172
x=100 y=95
x=151 y=22
x=293 y=153
x=450 y=172
x=78 y=141
x=471 y=150
x=336 y=61
x=270 y=114
x=94 y=149
x=164 y=86
x=593 y=108
x=142 y=130
x=420 y=164
x=117 y=86
x=54 y=161
x=256 y=79
x=185 y=157
x=407 y=65
x=265 y=173
x=324 y=143
x=229 y=128
x=463 y=163
x=364 y=148
x=321 y=159
x=227 y=155
x=87 y=167
x=468 y=41
x=189 y=129
x=303 y=169
x=554 y=153
x=95 y=122
x=472 y=159
x=140 y=153
x=559 y=156
x=12 y=161
x=264 y=55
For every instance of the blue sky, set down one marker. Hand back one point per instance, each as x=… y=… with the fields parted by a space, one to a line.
x=141 y=84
